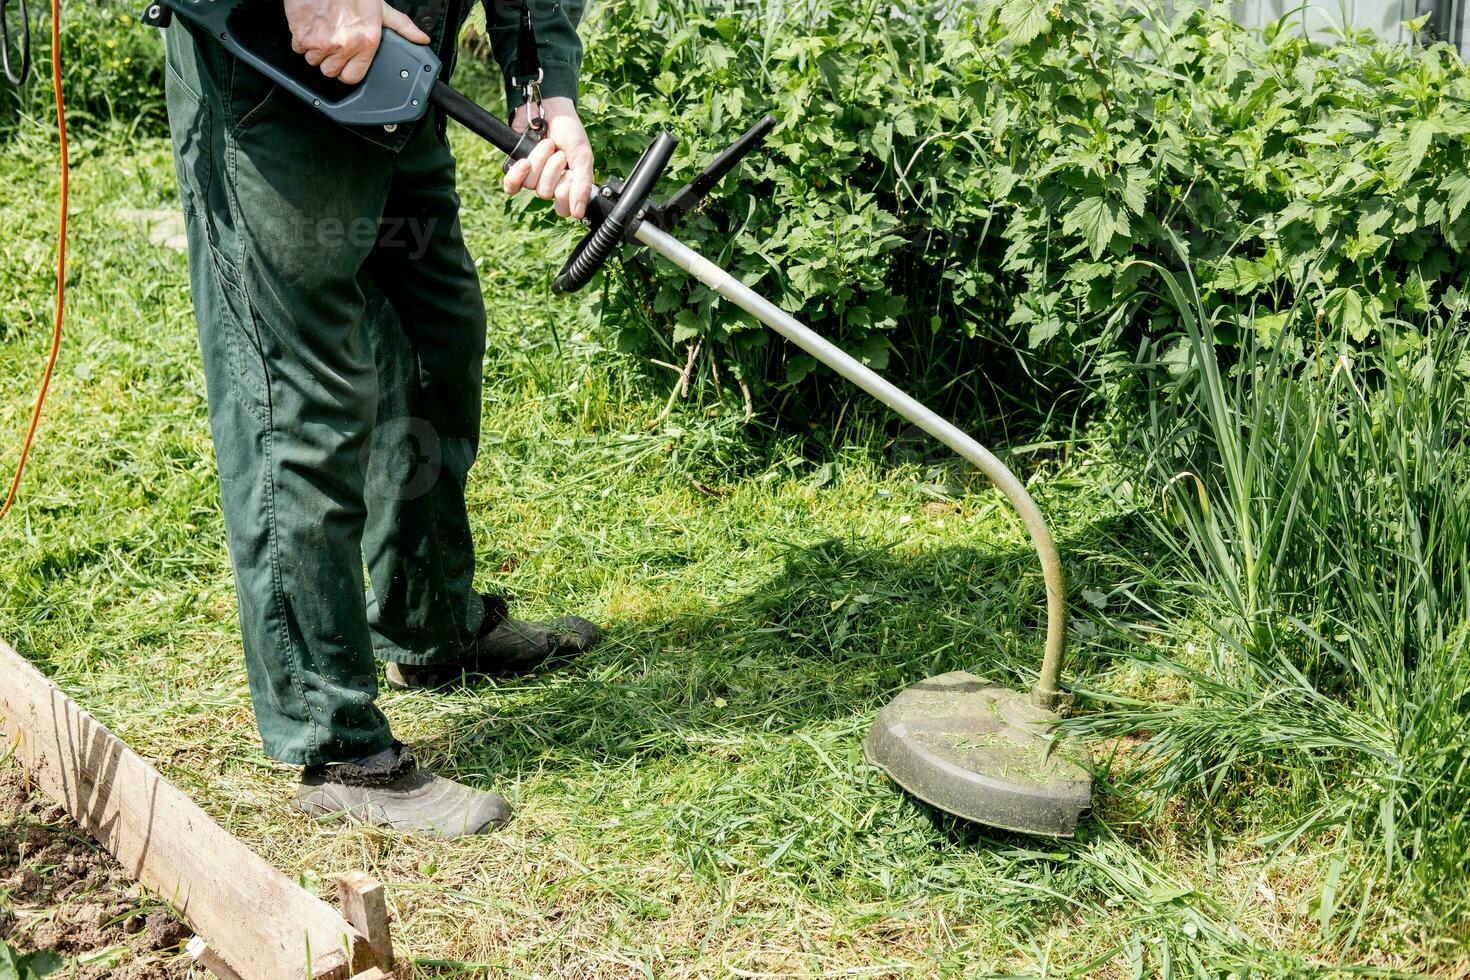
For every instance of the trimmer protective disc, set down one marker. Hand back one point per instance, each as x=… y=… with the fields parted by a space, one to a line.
x=983 y=752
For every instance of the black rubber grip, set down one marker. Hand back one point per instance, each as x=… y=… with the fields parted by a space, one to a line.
x=598 y=245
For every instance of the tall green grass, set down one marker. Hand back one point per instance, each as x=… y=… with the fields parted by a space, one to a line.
x=112 y=70
x=1320 y=507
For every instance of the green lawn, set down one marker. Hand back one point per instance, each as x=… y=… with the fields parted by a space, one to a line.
x=691 y=797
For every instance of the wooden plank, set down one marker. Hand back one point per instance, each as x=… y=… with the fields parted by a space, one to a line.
x=257 y=921
x=200 y=953
x=366 y=909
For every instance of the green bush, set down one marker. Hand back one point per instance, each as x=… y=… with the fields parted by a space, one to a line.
x=864 y=211
x=112 y=69
x=988 y=172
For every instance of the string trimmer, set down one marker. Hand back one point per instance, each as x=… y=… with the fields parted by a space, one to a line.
x=973 y=748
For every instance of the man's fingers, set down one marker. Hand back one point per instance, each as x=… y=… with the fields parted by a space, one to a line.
x=560 y=167
x=402 y=24
x=333 y=64
x=579 y=197
x=551 y=175
x=537 y=161
x=297 y=46
x=515 y=177
x=573 y=195
x=581 y=165
x=581 y=181
x=356 y=68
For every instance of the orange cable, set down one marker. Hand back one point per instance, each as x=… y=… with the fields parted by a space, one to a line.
x=25 y=449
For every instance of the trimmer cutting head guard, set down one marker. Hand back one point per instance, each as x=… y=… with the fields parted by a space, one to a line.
x=982 y=752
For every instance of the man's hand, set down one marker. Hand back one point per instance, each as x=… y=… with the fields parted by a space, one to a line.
x=341 y=36
x=560 y=167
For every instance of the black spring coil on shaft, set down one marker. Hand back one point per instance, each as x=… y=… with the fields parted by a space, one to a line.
x=595 y=248
x=591 y=254
x=12 y=75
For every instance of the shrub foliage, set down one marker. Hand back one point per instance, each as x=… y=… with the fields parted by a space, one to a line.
x=988 y=171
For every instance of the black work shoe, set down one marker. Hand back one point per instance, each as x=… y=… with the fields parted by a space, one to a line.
x=505 y=646
x=392 y=790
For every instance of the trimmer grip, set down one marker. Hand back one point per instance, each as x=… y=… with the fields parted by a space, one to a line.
x=395 y=91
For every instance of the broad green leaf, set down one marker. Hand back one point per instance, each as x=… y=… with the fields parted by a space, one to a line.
x=1347 y=310
x=1098 y=220
x=1373 y=217
x=874 y=351
x=1044 y=329
x=1243 y=275
x=40 y=964
x=1025 y=20
x=1003 y=181
x=798 y=367
x=1406 y=154
x=1456 y=188
x=1268 y=325
x=688 y=325
x=882 y=137
x=1136 y=184
x=1454 y=122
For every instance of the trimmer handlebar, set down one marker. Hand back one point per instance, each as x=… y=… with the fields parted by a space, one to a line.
x=396 y=90
x=401 y=84
x=612 y=223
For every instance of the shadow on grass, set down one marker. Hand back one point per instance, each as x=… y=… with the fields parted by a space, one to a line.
x=840 y=630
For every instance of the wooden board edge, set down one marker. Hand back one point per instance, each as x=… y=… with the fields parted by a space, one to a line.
x=165 y=841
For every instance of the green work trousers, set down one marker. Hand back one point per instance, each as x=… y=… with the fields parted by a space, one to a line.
x=343 y=333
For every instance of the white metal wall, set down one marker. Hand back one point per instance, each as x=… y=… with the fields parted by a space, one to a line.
x=1325 y=19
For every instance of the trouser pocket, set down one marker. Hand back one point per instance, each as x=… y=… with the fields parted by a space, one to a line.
x=191 y=127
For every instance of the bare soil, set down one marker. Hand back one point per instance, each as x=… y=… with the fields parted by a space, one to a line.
x=60 y=891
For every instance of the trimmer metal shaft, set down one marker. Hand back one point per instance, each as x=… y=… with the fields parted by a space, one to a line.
x=1046 y=693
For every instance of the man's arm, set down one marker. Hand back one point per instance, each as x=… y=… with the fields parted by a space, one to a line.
x=341 y=36
x=558 y=48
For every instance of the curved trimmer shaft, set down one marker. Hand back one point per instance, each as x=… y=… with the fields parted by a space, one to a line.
x=1047 y=693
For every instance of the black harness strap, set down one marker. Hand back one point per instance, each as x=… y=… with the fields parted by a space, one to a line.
x=527 y=68
x=526 y=75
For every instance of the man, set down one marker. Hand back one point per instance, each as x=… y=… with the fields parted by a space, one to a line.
x=343 y=331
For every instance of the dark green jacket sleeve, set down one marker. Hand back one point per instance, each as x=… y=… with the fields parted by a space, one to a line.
x=554 y=22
